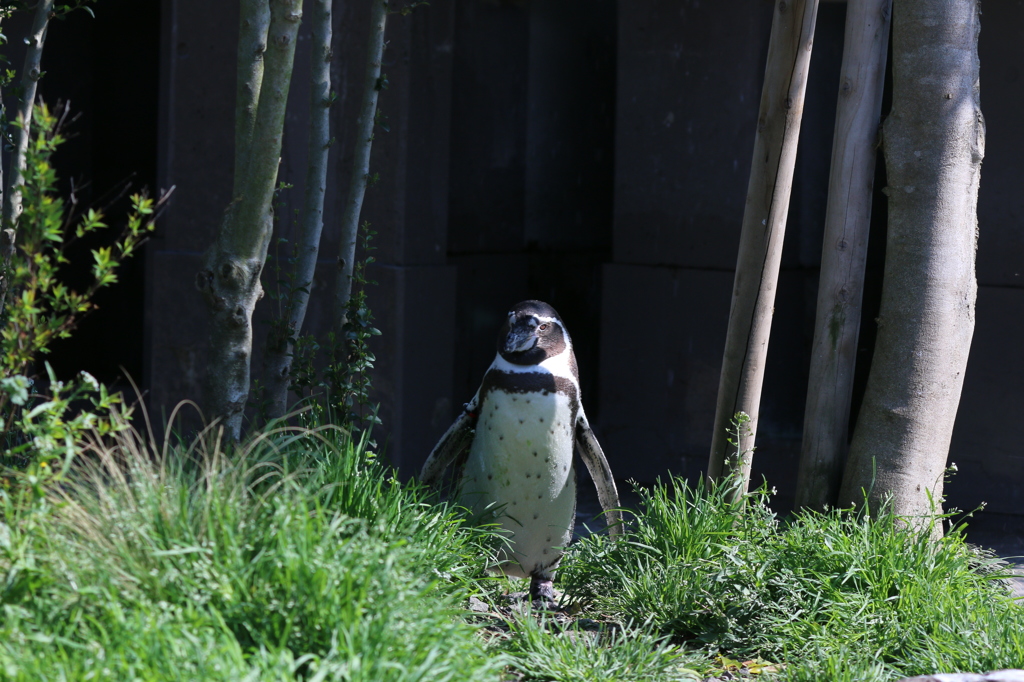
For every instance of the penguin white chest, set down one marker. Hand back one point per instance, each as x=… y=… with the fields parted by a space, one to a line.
x=520 y=469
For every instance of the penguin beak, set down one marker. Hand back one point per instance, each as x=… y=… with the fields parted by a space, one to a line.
x=519 y=340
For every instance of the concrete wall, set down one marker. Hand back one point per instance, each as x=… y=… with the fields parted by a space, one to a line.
x=598 y=160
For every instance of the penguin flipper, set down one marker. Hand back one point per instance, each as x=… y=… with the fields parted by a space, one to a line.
x=454 y=442
x=597 y=464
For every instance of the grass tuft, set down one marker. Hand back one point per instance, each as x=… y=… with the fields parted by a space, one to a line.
x=295 y=555
x=821 y=591
x=542 y=651
x=299 y=556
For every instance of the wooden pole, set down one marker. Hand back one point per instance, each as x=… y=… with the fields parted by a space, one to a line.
x=763 y=229
x=844 y=252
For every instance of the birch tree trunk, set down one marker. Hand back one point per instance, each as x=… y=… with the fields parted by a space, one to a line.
x=30 y=74
x=230 y=277
x=764 y=225
x=360 y=163
x=934 y=142
x=844 y=253
x=281 y=340
x=254 y=23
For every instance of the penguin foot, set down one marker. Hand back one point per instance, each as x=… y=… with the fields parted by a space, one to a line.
x=542 y=593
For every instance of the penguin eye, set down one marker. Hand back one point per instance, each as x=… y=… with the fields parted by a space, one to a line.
x=543 y=327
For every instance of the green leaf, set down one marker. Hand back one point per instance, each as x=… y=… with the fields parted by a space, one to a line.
x=17 y=387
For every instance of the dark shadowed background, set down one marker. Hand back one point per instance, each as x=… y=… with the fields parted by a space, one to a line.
x=593 y=154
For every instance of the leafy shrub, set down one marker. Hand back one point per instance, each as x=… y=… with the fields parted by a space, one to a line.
x=38 y=423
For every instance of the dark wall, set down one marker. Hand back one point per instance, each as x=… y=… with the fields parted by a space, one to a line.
x=408 y=206
x=689 y=77
x=595 y=159
x=105 y=68
x=531 y=171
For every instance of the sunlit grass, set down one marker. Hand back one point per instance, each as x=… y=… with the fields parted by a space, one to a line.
x=818 y=592
x=295 y=554
x=547 y=652
x=299 y=556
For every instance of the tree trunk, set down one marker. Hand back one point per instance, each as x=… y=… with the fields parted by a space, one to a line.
x=230 y=278
x=254 y=23
x=360 y=163
x=281 y=340
x=31 y=72
x=764 y=225
x=847 y=223
x=934 y=142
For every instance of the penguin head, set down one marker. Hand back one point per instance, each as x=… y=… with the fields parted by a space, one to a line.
x=533 y=332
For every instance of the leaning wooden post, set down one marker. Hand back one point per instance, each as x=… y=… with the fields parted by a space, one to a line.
x=764 y=225
x=843 y=254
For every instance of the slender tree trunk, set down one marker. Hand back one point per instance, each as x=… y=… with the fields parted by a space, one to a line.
x=281 y=340
x=934 y=142
x=254 y=23
x=6 y=233
x=764 y=225
x=847 y=223
x=360 y=163
x=230 y=278
x=30 y=74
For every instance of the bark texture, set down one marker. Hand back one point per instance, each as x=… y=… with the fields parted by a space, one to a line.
x=281 y=344
x=254 y=22
x=360 y=162
x=230 y=278
x=31 y=72
x=934 y=143
x=763 y=229
x=844 y=253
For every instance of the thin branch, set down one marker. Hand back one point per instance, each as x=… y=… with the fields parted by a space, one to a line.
x=30 y=74
x=253 y=216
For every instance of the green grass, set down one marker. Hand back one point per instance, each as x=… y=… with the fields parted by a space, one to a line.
x=822 y=592
x=297 y=555
x=300 y=557
x=544 y=651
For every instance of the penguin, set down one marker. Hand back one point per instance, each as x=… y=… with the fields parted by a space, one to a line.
x=521 y=429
